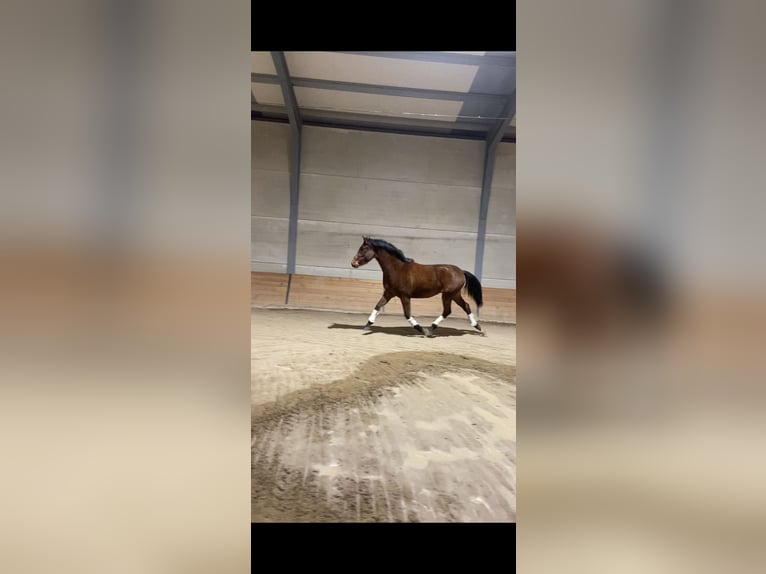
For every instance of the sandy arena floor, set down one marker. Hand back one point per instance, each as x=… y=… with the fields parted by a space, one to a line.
x=389 y=426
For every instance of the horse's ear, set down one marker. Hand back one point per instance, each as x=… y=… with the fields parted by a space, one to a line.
x=365 y=238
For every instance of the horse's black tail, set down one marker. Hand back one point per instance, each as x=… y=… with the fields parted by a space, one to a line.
x=473 y=287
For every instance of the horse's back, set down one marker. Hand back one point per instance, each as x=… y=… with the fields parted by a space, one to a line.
x=430 y=280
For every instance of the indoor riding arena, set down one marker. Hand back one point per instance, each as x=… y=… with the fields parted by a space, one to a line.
x=401 y=421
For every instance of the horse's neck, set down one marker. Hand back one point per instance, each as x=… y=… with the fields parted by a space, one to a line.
x=388 y=263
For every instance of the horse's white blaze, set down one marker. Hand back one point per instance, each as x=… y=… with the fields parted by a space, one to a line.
x=412 y=321
x=373 y=315
x=474 y=322
x=438 y=320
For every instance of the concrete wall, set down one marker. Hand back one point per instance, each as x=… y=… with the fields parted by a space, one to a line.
x=270 y=196
x=500 y=242
x=420 y=193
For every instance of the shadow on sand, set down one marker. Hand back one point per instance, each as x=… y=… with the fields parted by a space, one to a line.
x=407 y=331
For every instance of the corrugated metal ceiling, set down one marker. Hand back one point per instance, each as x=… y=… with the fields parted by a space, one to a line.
x=453 y=94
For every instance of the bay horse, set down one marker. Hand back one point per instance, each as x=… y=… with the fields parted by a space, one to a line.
x=406 y=279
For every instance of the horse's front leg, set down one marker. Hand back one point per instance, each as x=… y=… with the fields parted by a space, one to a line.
x=409 y=317
x=383 y=300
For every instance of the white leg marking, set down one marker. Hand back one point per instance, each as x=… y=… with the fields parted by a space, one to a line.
x=474 y=322
x=438 y=320
x=373 y=315
x=412 y=321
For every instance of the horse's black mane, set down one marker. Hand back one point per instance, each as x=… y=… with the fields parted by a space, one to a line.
x=392 y=249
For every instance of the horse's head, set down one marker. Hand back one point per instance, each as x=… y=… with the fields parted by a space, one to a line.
x=365 y=254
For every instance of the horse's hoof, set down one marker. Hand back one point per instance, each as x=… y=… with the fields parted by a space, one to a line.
x=429 y=332
x=477 y=327
x=434 y=326
x=366 y=330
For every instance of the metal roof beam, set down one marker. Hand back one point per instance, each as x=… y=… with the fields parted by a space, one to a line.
x=264 y=78
x=446 y=58
x=451 y=132
x=383 y=90
x=478 y=127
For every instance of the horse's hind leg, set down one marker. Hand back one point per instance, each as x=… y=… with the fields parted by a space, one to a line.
x=446 y=310
x=383 y=300
x=467 y=308
x=408 y=316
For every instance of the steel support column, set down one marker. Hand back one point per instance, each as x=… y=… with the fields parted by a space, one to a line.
x=493 y=139
x=296 y=126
